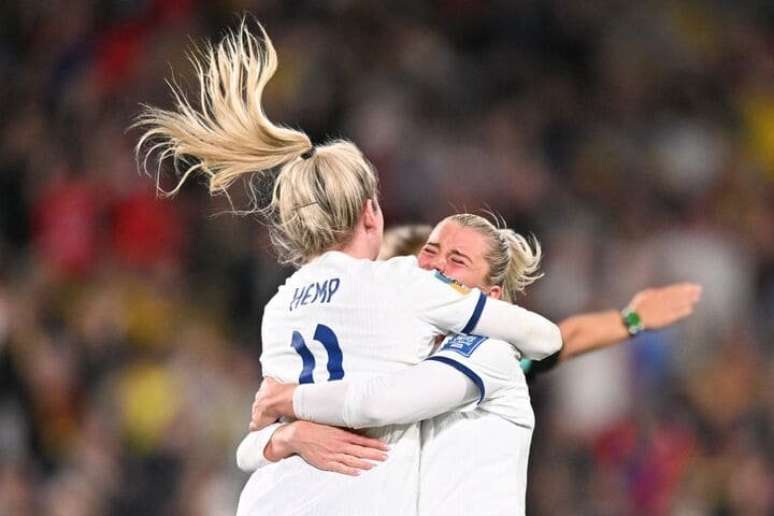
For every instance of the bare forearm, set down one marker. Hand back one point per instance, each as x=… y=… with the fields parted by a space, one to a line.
x=587 y=332
x=657 y=308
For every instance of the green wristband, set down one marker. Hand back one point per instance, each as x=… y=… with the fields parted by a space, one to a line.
x=632 y=321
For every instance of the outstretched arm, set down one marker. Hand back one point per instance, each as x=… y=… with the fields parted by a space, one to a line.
x=657 y=307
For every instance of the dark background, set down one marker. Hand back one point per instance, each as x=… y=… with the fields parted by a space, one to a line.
x=635 y=139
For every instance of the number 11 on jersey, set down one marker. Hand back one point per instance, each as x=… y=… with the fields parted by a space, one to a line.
x=325 y=336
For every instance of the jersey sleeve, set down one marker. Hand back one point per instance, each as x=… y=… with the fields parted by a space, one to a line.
x=249 y=455
x=416 y=393
x=491 y=365
x=454 y=308
x=466 y=371
x=435 y=298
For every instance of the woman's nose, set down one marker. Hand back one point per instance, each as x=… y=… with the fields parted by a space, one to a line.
x=440 y=264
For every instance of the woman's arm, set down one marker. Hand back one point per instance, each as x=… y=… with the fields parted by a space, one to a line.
x=533 y=335
x=657 y=307
x=324 y=447
x=466 y=370
x=250 y=454
x=418 y=392
x=453 y=308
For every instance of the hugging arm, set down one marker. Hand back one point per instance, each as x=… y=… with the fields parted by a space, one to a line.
x=324 y=447
x=533 y=335
x=251 y=454
x=468 y=369
x=416 y=393
x=453 y=308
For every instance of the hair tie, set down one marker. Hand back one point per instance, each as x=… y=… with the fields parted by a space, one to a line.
x=308 y=154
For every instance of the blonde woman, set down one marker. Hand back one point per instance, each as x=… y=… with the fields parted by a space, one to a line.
x=474 y=458
x=654 y=307
x=341 y=314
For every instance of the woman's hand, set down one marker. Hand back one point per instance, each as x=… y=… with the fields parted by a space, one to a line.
x=326 y=447
x=657 y=308
x=660 y=307
x=272 y=401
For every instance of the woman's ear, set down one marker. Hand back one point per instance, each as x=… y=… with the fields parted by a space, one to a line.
x=495 y=292
x=370 y=215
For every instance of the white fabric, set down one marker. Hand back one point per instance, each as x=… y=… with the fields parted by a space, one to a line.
x=505 y=387
x=416 y=393
x=531 y=334
x=473 y=463
x=425 y=390
x=249 y=455
x=294 y=488
x=384 y=316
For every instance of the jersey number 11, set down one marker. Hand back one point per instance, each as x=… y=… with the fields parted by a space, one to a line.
x=327 y=338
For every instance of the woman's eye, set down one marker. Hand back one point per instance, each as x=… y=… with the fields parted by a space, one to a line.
x=427 y=250
x=457 y=261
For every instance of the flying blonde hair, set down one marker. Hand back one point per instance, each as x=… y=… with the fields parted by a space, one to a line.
x=319 y=192
x=513 y=260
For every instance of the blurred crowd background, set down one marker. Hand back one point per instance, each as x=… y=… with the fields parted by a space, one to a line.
x=634 y=139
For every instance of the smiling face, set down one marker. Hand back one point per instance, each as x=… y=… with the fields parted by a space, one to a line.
x=459 y=253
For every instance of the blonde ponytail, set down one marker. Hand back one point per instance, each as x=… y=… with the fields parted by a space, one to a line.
x=319 y=193
x=229 y=134
x=522 y=265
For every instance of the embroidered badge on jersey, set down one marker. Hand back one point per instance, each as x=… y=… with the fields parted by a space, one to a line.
x=456 y=285
x=465 y=345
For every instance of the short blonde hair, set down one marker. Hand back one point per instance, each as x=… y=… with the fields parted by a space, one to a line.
x=319 y=193
x=513 y=260
x=404 y=240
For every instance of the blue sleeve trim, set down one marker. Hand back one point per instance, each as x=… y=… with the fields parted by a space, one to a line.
x=476 y=314
x=464 y=370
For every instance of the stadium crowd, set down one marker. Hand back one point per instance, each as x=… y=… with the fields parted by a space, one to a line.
x=635 y=140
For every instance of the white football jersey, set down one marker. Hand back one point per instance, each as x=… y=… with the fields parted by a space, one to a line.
x=343 y=318
x=474 y=461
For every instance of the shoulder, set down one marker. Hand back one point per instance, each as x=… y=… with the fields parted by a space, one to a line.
x=404 y=271
x=492 y=353
x=398 y=265
x=400 y=273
